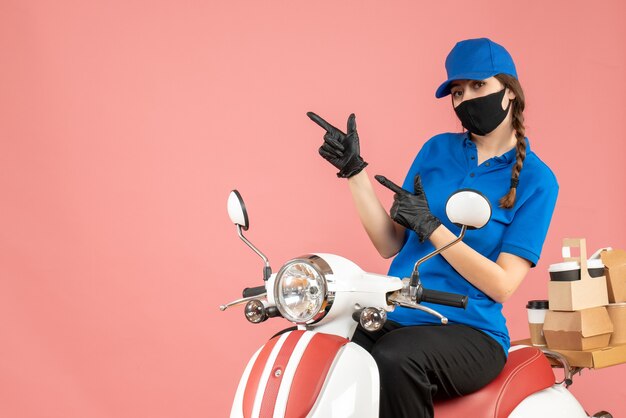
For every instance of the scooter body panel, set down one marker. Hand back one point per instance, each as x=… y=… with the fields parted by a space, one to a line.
x=352 y=388
x=304 y=373
x=553 y=402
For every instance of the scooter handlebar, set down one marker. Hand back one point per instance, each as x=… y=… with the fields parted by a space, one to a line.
x=253 y=291
x=443 y=298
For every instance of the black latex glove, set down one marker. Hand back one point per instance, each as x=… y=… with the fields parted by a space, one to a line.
x=411 y=209
x=341 y=149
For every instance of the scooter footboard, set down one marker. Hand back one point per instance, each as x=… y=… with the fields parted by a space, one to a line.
x=304 y=373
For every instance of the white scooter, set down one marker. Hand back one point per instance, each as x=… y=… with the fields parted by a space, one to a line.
x=316 y=372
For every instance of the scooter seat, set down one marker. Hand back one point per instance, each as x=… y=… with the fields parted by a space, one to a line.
x=526 y=371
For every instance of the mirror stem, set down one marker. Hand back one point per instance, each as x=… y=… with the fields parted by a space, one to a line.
x=415 y=276
x=267 y=270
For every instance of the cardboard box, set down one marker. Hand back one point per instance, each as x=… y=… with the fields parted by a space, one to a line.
x=580 y=330
x=615 y=271
x=580 y=294
x=596 y=359
x=593 y=359
x=617 y=313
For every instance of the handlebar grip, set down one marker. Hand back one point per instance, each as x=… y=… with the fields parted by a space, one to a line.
x=253 y=291
x=444 y=298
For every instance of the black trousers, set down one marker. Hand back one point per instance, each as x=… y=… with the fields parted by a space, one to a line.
x=420 y=364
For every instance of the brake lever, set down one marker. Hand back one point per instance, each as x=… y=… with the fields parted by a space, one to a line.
x=399 y=299
x=240 y=301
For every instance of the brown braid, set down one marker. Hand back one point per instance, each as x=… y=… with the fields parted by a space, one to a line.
x=517 y=120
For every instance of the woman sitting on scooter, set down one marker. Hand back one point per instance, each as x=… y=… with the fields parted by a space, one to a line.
x=420 y=361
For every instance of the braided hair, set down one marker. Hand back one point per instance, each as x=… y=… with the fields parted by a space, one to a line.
x=517 y=119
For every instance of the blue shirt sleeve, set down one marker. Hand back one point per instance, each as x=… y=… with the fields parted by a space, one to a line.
x=525 y=235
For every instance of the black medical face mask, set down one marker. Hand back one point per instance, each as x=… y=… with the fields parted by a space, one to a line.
x=482 y=114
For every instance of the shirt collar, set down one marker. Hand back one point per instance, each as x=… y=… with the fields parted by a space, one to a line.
x=507 y=157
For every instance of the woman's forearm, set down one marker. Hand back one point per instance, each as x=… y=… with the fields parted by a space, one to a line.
x=498 y=280
x=386 y=235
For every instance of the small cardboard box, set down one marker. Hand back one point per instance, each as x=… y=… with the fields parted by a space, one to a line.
x=615 y=270
x=580 y=330
x=617 y=313
x=580 y=294
x=596 y=359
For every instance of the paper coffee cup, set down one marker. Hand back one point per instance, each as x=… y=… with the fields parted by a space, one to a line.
x=536 y=316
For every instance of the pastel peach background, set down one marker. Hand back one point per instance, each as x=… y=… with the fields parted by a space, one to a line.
x=124 y=125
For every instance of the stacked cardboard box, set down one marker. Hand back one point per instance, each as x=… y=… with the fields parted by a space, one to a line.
x=615 y=270
x=578 y=317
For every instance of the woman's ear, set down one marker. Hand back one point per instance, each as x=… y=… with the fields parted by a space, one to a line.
x=510 y=93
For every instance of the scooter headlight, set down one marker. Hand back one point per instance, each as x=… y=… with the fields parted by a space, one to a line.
x=300 y=290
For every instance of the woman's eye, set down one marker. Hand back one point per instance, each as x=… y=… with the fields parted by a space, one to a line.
x=478 y=84
x=457 y=93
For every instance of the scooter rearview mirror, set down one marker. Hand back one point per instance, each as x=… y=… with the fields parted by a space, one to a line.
x=468 y=207
x=239 y=216
x=237 y=210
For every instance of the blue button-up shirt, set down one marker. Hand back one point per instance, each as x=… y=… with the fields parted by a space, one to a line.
x=449 y=162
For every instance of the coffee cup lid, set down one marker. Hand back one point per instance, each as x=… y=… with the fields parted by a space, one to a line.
x=537 y=304
x=564 y=266
x=595 y=263
x=592 y=263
